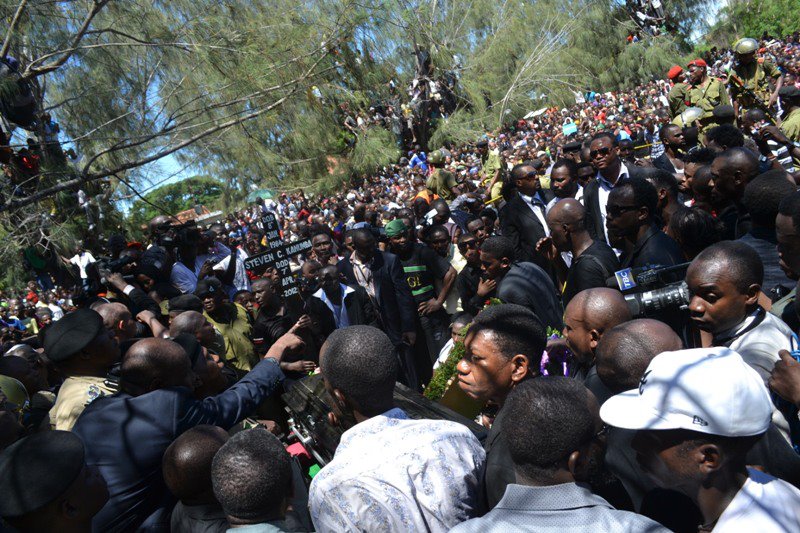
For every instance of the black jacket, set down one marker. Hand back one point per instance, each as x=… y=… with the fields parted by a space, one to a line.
x=360 y=311
x=529 y=285
x=396 y=307
x=595 y=222
x=654 y=248
x=499 y=471
x=467 y=286
x=523 y=228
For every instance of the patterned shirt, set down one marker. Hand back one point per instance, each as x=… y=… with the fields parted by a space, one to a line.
x=391 y=473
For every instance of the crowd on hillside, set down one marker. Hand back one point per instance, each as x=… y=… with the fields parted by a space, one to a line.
x=647 y=241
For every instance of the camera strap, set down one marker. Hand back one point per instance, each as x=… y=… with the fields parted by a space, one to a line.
x=757 y=318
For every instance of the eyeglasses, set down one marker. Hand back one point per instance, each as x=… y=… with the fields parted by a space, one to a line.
x=615 y=211
x=529 y=175
x=604 y=151
x=468 y=245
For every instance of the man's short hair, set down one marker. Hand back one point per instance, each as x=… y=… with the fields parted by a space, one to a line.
x=252 y=475
x=701 y=156
x=606 y=134
x=790 y=207
x=187 y=462
x=516 y=170
x=662 y=133
x=515 y=330
x=763 y=196
x=499 y=247
x=572 y=167
x=726 y=136
x=643 y=192
x=741 y=262
x=360 y=361
x=661 y=179
x=546 y=419
x=694 y=229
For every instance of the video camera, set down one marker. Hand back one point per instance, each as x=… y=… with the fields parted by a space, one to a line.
x=175 y=235
x=664 y=294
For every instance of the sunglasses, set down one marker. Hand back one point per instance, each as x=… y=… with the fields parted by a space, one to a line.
x=615 y=211
x=602 y=151
x=468 y=245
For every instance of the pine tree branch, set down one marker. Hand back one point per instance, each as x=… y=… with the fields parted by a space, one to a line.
x=11 y=28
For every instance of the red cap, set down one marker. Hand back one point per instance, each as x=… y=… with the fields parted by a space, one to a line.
x=674 y=72
x=697 y=63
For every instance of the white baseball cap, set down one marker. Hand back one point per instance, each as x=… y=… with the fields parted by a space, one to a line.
x=708 y=390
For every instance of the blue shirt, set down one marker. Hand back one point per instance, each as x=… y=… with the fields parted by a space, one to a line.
x=556 y=509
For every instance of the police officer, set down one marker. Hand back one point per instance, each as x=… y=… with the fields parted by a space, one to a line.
x=754 y=74
x=441 y=181
x=706 y=93
x=47 y=485
x=83 y=350
x=790 y=101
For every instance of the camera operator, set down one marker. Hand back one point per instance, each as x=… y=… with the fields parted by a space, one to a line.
x=630 y=218
x=725 y=285
x=174 y=252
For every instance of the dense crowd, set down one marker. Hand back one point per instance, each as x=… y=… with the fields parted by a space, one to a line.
x=614 y=284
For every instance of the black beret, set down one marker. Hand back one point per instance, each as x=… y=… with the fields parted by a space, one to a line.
x=36 y=470
x=207 y=286
x=68 y=336
x=482 y=143
x=185 y=302
x=572 y=146
x=790 y=91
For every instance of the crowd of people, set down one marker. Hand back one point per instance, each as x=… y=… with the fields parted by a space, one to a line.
x=645 y=241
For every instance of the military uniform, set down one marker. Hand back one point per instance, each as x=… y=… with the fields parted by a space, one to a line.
x=707 y=96
x=755 y=76
x=236 y=331
x=677 y=98
x=490 y=166
x=791 y=126
x=74 y=395
x=441 y=182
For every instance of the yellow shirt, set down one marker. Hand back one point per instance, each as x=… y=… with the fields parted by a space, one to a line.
x=236 y=330
x=74 y=395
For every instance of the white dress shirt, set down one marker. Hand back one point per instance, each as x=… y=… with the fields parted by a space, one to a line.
x=394 y=474
x=539 y=209
x=604 y=190
x=578 y=196
x=338 y=309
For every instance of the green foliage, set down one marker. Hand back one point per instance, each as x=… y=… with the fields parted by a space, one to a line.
x=444 y=372
x=751 y=18
x=175 y=197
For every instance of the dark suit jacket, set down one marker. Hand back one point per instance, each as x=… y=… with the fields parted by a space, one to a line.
x=499 y=471
x=523 y=228
x=126 y=437
x=595 y=222
x=360 y=311
x=654 y=248
x=528 y=285
x=393 y=297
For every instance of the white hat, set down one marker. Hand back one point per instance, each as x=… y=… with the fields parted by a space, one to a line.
x=708 y=390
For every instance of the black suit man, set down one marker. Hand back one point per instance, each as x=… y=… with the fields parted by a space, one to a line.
x=381 y=275
x=336 y=305
x=604 y=153
x=522 y=220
